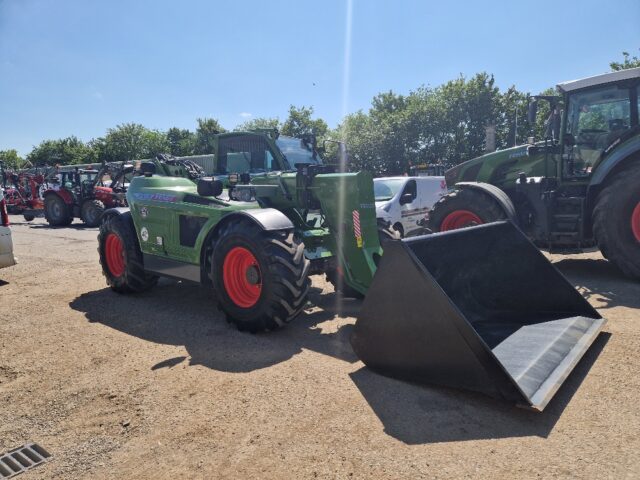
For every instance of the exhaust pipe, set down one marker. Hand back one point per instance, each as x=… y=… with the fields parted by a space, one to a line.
x=478 y=308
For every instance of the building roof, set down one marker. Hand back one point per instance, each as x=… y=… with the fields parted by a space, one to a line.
x=599 y=79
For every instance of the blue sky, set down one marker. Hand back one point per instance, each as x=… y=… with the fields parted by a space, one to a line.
x=78 y=67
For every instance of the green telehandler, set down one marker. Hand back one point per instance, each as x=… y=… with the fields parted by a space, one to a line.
x=577 y=189
x=285 y=216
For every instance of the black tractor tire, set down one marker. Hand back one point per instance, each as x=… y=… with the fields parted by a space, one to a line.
x=617 y=207
x=91 y=212
x=464 y=208
x=29 y=218
x=56 y=211
x=121 y=257
x=261 y=278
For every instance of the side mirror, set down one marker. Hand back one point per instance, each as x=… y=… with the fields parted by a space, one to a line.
x=533 y=112
x=209 y=187
x=406 y=198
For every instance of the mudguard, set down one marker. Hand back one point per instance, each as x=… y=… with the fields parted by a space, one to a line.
x=268 y=219
x=494 y=192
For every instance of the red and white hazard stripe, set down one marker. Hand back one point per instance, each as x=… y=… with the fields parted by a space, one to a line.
x=356 y=224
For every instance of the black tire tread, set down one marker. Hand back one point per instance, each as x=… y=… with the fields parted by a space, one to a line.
x=97 y=204
x=135 y=278
x=288 y=273
x=616 y=245
x=470 y=199
x=56 y=222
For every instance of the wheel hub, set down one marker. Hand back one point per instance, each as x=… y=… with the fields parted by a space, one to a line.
x=460 y=219
x=241 y=277
x=114 y=255
x=635 y=222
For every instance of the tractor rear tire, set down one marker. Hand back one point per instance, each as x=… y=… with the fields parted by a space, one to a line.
x=261 y=278
x=91 y=212
x=121 y=257
x=464 y=208
x=616 y=221
x=56 y=211
x=29 y=218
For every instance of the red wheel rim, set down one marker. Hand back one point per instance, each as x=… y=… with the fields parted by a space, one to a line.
x=241 y=277
x=114 y=254
x=635 y=222
x=460 y=219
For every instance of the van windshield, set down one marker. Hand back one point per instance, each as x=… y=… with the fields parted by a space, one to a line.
x=386 y=188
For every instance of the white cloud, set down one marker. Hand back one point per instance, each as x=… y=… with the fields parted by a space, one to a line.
x=246 y=115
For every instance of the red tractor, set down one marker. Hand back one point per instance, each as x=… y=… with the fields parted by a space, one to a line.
x=85 y=194
x=24 y=193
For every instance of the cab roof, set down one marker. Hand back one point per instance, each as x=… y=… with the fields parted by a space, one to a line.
x=572 y=85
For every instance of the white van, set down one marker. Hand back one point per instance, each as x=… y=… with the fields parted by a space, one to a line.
x=6 y=245
x=405 y=201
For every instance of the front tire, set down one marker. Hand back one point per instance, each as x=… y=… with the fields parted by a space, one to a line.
x=56 y=211
x=464 y=208
x=29 y=218
x=91 y=212
x=121 y=257
x=261 y=278
x=616 y=221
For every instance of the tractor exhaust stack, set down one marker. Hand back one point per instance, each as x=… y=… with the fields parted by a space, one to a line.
x=478 y=308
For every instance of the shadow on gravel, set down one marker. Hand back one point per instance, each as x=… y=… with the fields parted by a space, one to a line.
x=46 y=226
x=176 y=313
x=417 y=414
x=599 y=280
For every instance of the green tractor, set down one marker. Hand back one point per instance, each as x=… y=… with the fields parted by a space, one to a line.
x=285 y=216
x=578 y=189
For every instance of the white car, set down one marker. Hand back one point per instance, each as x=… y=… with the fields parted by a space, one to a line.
x=405 y=201
x=6 y=245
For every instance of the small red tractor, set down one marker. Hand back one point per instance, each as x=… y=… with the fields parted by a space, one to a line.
x=86 y=194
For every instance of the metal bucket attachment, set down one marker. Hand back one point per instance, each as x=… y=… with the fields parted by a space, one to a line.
x=478 y=308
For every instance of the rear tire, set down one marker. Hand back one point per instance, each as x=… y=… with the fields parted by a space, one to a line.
x=56 y=211
x=261 y=278
x=616 y=221
x=464 y=208
x=91 y=212
x=121 y=257
x=29 y=218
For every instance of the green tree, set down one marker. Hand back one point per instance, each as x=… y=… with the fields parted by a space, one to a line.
x=259 y=123
x=205 y=134
x=628 y=61
x=66 y=151
x=129 y=141
x=182 y=142
x=11 y=159
x=299 y=122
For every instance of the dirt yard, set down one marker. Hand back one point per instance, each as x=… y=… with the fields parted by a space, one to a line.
x=158 y=385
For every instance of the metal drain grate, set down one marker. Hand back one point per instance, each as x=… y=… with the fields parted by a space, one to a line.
x=22 y=459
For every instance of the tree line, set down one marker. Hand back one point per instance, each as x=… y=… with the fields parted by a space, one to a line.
x=446 y=124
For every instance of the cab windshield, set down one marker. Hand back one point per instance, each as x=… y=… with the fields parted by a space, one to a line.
x=386 y=189
x=296 y=150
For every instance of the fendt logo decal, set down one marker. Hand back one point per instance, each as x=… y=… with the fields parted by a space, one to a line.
x=155 y=197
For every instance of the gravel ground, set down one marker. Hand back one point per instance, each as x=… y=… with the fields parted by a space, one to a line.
x=158 y=385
